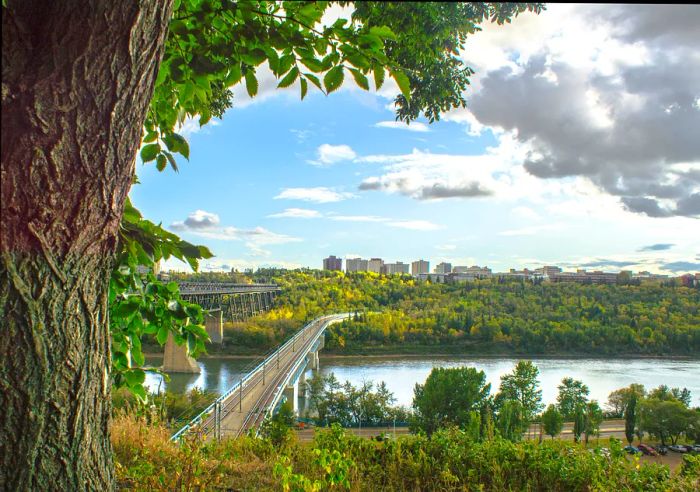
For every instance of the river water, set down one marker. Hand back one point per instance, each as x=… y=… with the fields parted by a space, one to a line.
x=402 y=373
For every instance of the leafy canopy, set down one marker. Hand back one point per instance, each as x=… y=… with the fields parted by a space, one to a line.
x=449 y=397
x=214 y=45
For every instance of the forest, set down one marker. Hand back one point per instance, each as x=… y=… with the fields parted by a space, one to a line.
x=398 y=314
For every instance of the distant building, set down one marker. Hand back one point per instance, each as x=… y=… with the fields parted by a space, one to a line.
x=420 y=266
x=443 y=268
x=548 y=271
x=440 y=278
x=355 y=265
x=375 y=265
x=332 y=263
x=472 y=272
x=690 y=280
x=392 y=268
x=584 y=277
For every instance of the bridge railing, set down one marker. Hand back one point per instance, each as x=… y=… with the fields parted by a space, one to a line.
x=207 y=411
x=222 y=287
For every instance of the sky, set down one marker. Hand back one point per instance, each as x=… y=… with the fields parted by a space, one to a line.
x=580 y=147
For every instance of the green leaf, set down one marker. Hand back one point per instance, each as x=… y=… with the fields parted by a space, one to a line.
x=360 y=78
x=161 y=162
x=162 y=335
x=234 y=76
x=171 y=159
x=304 y=88
x=135 y=377
x=289 y=78
x=150 y=137
x=403 y=83
x=383 y=32
x=251 y=83
x=378 y=76
x=313 y=64
x=314 y=80
x=333 y=79
x=149 y=152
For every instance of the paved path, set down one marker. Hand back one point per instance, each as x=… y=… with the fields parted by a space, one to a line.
x=246 y=407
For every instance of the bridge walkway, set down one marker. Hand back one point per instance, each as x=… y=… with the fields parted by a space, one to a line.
x=247 y=403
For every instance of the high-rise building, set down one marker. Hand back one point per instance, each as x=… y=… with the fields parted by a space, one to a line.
x=375 y=265
x=332 y=263
x=392 y=268
x=420 y=266
x=355 y=265
x=443 y=267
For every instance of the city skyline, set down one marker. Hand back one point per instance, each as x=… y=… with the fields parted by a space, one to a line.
x=501 y=182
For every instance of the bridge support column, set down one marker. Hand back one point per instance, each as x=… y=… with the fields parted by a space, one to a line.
x=301 y=383
x=314 y=361
x=291 y=393
x=176 y=359
x=213 y=322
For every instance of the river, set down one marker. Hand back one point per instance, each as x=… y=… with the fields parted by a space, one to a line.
x=401 y=373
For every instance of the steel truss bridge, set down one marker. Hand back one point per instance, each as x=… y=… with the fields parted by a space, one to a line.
x=236 y=301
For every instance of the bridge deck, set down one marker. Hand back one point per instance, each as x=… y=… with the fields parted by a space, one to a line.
x=211 y=288
x=245 y=406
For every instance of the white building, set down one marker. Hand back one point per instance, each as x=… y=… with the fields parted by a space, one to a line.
x=398 y=267
x=474 y=271
x=355 y=265
x=375 y=265
x=443 y=268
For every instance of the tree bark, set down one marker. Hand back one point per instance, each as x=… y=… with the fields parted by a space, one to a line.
x=77 y=78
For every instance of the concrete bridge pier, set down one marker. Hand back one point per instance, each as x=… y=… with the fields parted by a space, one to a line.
x=213 y=322
x=302 y=383
x=314 y=360
x=176 y=359
x=291 y=393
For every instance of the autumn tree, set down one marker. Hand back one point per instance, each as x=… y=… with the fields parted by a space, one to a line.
x=85 y=84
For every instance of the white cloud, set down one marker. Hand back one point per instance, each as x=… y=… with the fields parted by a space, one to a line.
x=319 y=194
x=526 y=213
x=619 y=76
x=415 y=126
x=418 y=225
x=328 y=154
x=206 y=225
x=530 y=231
x=297 y=213
x=197 y=220
x=357 y=218
x=415 y=225
x=446 y=247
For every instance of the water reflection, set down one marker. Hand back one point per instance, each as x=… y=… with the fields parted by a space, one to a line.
x=401 y=374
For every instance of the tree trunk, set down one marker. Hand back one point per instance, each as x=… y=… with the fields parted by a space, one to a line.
x=77 y=77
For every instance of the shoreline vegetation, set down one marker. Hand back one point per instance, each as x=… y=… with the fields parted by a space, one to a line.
x=399 y=316
x=420 y=355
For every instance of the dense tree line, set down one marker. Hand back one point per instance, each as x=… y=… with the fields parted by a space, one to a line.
x=400 y=314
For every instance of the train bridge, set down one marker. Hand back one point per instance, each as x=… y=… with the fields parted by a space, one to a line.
x=220 y=301
x=258 y=394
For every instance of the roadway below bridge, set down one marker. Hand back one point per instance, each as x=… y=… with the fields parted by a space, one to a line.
x=246 y=404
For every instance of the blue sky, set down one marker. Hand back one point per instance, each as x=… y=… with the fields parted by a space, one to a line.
x=279 y=181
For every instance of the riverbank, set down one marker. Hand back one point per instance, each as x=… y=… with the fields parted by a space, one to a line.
x=415 y=355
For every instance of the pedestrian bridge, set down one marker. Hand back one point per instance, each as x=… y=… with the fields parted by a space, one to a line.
x=257 y=394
